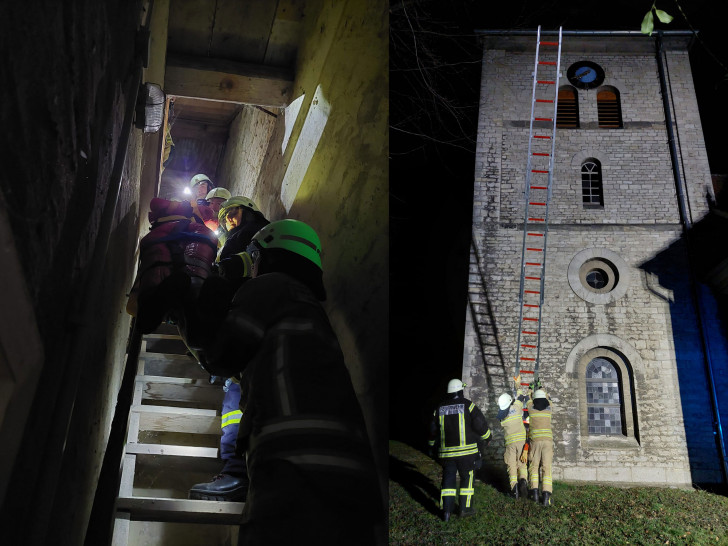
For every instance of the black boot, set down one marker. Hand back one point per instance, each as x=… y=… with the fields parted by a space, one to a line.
x=523 y=488
x=546 y=498
x=534 y=495
x=514 y=491
x=465 y=512
x=223 y=487
x=446 y=516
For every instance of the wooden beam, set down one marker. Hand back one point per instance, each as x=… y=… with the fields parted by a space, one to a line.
x=198 y=131
x=180 y=510
x=216 y=79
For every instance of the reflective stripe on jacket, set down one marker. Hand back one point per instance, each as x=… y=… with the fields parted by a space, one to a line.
x=457 y=427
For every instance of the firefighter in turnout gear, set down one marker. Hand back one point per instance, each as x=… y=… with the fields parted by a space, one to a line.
x=459 y=433
x=510 y=415
x=312 y=474
x=542 y=444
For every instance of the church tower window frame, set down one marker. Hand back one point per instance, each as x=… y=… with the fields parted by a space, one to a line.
x=592 y=188
x=628 y=409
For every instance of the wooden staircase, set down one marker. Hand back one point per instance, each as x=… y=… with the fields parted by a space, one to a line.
x=172 y=443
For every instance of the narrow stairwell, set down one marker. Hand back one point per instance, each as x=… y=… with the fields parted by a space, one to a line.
x=172 y=444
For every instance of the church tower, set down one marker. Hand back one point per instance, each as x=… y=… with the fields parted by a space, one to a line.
x=631 y=350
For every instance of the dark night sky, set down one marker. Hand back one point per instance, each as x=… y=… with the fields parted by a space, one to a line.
x=434 y=87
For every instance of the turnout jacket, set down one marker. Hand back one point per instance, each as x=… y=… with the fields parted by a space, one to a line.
x=511 y=420
x=540 y=421
x=457 y=427
x=302 y=429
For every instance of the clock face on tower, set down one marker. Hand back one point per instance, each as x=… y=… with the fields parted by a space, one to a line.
x=585 y=75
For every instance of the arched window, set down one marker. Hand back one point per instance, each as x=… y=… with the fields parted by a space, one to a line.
x=567 y=108
x=609 y=109
x=604 y=403
x=592 y=195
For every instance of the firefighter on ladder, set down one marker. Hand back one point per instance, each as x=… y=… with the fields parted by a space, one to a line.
x=510 y=415
x=541 y=454
x=460 y=433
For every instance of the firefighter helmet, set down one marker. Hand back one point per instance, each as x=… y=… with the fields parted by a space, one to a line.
x=504 y=401
x=221 y=193
x=291 y=235
x=199 y=178
x=234 y=202
x=455 y=385
x=540 y=393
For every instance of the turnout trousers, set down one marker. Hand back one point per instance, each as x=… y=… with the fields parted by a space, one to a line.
x=512 y=458
x=450 y=468
x=541 y=458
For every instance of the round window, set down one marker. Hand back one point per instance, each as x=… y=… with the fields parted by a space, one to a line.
x=598 y=275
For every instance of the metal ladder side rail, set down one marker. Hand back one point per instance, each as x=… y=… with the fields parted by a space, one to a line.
x=536 y=224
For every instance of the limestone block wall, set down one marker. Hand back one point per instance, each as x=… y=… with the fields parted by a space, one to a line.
x=646 y=322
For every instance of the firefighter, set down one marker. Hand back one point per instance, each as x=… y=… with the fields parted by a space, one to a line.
x=200 y=186
x=215 y=198
x=459 y=433
x=312 y=477
x=239 y=219
x=542 y=444
x=510 y=415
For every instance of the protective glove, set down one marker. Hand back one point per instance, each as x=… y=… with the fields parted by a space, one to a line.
x=232 y=267
x=478 y=463
x=524 y=454
x=482 y=445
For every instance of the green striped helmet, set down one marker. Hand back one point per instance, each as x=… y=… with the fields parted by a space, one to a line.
x=291 y=235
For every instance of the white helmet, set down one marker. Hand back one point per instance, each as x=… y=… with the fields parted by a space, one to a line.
x=198 y=178
x=504 y=401
x=455 y=385
x=540 y=393
x=222 y=193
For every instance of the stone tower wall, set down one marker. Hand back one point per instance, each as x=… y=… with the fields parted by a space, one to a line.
x=646 y=323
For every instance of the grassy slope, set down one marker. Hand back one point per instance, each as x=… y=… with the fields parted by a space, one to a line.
x=584 y=514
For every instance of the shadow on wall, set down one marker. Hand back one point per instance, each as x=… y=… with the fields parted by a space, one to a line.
x=483 y=321
x=671 y=269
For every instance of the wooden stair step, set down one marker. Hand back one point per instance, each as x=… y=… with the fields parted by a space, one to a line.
x=181 y=510
x=157 y=387
x=171 y=450
x=172 y=365
x=174 y=419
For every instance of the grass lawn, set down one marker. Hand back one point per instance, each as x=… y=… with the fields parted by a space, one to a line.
x=581 y=514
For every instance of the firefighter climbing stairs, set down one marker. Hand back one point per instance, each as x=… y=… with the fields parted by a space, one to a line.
x=537 y=192
x=172 y=443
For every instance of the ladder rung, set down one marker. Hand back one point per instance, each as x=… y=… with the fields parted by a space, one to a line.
x=534 y=278
x=541 y=136
x=531 y=292
x=535 y=234
x=530 y=305
x=540 y=153
x=543 y=119
x=533 y=263
x=529 y=333
x=537 y=203
x=549 y=43
x=537 y=171
x=527 y=371
x=529 y=346
x=536 y=219
x=539 y=187
x=531 y=319
x=546 y=82
x=547 y=62
x=545 y=100
x=527 y=358
x=535 y=249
